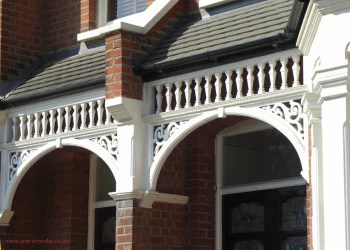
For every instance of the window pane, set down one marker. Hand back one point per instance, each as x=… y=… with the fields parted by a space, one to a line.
x=294 y=213
x=247 y=217
x=258 y=156
x=105 y=182
x=122 y=8
x=248 y=245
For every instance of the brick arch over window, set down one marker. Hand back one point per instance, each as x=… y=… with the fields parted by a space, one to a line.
x=280 y=124
x=38 y=154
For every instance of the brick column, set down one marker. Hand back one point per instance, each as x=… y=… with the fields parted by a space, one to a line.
x=88 y=15
x=130 y=230
x=120 y=78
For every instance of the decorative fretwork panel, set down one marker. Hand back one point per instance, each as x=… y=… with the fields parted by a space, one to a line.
x=60 y=120
x=291 y=112
x=109 y=142
x=163 y=132
x=15 y=161
x=235 y=81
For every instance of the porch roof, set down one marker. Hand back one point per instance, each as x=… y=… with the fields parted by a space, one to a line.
x=237 y=30
x=61 y=75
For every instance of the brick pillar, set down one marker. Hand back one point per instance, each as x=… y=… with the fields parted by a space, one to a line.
x=130 y=230
x=200 y=185
x=88 y=15
x=120 y=78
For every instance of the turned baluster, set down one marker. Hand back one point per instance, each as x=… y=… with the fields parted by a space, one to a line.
x=250 y=80
x=21 y=127
x=296 y=71
x=198 y=90
x=239 y=82
x=261 y=78
x=92 y=113
x=99 y=111
x=67 y=118
x=188 y=92
x=284 y=73
x=36 y=124
x=52 y=121
x=83 y=115
x=272 y=74
x=29 y=126
x=218 y=86
x=208 y=89
x=228 y=84
x=178 y=95
x=44 y=123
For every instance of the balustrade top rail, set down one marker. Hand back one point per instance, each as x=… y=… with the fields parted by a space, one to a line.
x=267 y=74
x=60 y=120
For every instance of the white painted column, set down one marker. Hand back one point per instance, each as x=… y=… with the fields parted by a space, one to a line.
x=334 y=100
x=132 y=144
x=314 y=129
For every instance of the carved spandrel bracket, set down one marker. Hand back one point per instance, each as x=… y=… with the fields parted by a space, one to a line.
x=163 y=132
x=108 y=142
x=16 y=159
x=291 y=112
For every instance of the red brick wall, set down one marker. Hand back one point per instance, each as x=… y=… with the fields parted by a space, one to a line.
x=22 y=33
x=309 y=199
x=88 y=15
x=122 y=48
x=28 y=29
x=63 y=23
x=51 y=201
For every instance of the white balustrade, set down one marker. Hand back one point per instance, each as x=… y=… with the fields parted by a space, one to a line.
x=60 y=120
x=248 y=78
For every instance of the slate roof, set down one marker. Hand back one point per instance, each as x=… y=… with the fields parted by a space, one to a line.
x=235 y=27
x=56 y=76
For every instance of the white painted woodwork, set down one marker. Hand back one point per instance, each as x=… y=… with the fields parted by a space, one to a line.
x=247 y=79
x=59 y=120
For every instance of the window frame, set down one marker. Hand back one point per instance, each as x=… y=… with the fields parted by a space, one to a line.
x=246 y=126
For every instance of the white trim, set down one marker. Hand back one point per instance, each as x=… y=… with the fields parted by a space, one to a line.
x=203 y=4
x=139 y=23
x=264 y=185
x=92 y=195
x=346 y=149
x=102 y=10
x=153 y=196
x=66 y=100
x=206 y=117
x=39 y=153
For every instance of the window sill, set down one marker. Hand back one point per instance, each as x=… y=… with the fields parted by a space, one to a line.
x=139 y=23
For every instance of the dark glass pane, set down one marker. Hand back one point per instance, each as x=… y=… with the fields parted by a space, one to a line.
x=105 y=225
x=247 y=217
x=295 y=243
x=294 y=213
x=258 y=156
x=248 y=245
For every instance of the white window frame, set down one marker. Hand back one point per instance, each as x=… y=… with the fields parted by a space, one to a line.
x=93 y=204
x=102 y=10
x=247 y=126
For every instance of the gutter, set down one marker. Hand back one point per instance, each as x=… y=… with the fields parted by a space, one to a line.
x=289 y=35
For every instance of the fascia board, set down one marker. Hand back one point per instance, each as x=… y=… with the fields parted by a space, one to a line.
x=139 y=23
